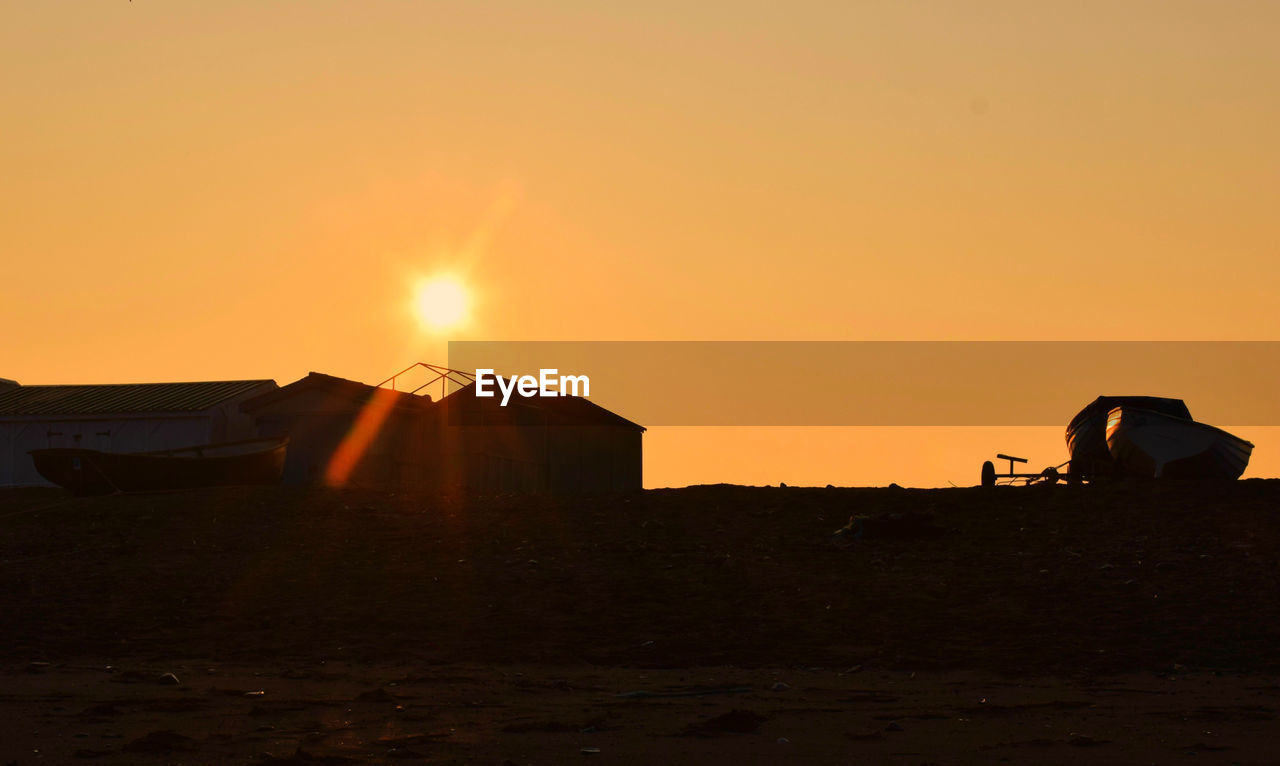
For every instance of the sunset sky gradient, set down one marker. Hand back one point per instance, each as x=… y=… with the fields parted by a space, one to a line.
x=196 y=190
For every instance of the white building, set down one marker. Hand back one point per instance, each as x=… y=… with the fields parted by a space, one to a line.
x=134 y=417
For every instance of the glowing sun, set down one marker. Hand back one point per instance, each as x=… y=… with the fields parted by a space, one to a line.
x=440 y=303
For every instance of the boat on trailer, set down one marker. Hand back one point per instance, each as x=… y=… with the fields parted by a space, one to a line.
x=93 y=472
x=1138 y=437
x=1154 y=445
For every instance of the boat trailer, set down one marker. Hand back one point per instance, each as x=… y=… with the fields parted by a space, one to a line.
x=1050 y=475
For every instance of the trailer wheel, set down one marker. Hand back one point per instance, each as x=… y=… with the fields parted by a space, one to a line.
x=988 y=474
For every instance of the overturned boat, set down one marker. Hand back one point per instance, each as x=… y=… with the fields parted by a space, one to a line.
x=1087 y=432
x=1150 y=444
x=92 y=472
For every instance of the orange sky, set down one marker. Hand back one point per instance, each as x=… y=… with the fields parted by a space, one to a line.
x=243 y=189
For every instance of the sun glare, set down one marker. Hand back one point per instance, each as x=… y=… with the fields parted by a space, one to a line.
x=440 y=303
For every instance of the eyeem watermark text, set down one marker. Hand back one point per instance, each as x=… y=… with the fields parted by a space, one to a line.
x=548 y=383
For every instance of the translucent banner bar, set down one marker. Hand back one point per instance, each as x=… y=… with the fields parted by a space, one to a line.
x=893 y=383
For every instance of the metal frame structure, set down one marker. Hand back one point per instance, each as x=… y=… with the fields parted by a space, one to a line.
x=443 y=375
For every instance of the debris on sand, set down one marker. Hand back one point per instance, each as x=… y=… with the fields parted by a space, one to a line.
x=894 y=525
x=99 y=710
x=164 y=741
x=134 y=677
x=733 y=722
x=86 y=752
x=541 y=726
x=699 y=692
x=300 y=756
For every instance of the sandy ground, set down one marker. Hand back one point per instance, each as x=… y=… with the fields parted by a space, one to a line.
x=340 y=713
x=1123 y=624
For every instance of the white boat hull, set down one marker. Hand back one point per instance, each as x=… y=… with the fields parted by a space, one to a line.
x=1149 y=444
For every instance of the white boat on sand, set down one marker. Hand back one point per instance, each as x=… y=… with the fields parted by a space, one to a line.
x=1149 y=444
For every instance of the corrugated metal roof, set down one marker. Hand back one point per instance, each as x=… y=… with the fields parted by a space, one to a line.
x=122 y=397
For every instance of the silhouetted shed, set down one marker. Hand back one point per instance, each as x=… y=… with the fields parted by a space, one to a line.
x=347 y=433
x=137 y=417
x=344 y=432
x=561 y=444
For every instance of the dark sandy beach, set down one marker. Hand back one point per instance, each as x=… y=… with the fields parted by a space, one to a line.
x=1134 y=623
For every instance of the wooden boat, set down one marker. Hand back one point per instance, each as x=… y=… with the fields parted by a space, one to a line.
x=1087 y=431
x=91 y=472
x=1150 y=444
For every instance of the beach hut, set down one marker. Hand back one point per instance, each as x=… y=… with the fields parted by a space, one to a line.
x=561 y=445
x=346 y=433
x=136 y=417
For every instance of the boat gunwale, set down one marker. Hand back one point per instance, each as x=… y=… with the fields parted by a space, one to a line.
x=1181 y=421
x=275 y=442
